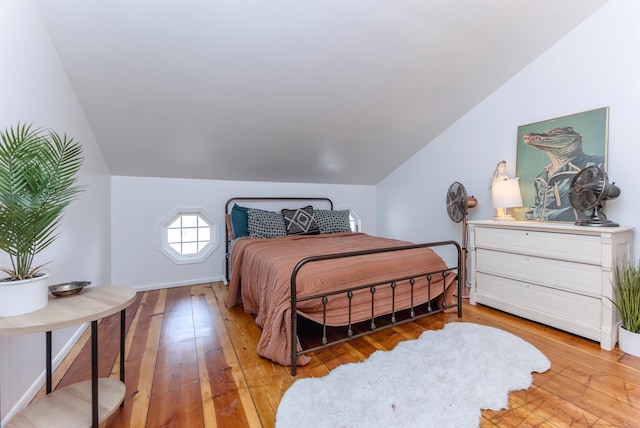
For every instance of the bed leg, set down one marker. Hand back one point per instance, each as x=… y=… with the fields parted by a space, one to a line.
x=294 y=337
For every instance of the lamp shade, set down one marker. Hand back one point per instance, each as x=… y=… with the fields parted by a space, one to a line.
x=506 y=193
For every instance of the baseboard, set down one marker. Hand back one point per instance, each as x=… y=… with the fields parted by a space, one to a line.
x=159 y=286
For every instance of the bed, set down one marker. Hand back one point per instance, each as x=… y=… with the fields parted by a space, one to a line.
x=327 y=274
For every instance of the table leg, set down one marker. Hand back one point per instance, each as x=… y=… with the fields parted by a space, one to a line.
x=48 y=362
x=122 y=340
x=94 y=373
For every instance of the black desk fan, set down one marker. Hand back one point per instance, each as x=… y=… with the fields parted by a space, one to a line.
x=588 y=190
x=458 y=204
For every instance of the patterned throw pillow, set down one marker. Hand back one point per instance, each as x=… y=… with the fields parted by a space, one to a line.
x=300 y=221
x=331 y=221
x=265 y=224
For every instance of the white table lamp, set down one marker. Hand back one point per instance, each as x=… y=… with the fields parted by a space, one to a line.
x=505 y=194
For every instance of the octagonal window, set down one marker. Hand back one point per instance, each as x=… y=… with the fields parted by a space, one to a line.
x=189 y=237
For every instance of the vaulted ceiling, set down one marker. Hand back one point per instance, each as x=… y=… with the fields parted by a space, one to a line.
x=316 y=91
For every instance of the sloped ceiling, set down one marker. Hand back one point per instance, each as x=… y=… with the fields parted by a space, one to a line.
x=315 y=91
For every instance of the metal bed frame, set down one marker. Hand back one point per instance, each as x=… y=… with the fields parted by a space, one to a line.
x=324 y=297
x=372 y=287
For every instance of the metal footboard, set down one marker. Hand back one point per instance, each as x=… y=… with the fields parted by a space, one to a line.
x=372 y=287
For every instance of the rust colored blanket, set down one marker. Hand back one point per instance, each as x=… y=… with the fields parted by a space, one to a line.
x=261 y=280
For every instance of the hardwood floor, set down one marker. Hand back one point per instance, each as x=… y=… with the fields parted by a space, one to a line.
x=191 y=362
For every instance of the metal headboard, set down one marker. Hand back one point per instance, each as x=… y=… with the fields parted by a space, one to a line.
x=236 y=199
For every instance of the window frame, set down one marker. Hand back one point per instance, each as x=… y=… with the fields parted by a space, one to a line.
x=202 y=254
x=355 y=221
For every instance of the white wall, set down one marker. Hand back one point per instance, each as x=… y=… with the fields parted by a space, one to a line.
x=596 y=65
x=141 y=205
x=34 y=89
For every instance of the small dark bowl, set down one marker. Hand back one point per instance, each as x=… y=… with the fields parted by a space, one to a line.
x=68 y=288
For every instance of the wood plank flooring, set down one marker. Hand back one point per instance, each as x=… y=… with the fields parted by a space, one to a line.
x=191 y=362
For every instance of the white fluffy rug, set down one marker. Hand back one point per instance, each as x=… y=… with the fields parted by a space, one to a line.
x=442 y=379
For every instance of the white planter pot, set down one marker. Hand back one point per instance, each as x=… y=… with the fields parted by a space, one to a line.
x=629 y=342
x=22 y=297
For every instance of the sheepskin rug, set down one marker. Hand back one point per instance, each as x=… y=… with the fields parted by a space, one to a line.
x=442 y=379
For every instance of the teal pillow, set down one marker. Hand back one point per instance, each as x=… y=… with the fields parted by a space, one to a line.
x=240 y=221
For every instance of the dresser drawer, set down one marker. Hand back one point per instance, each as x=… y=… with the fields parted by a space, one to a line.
x=568 y=311
x=569 y=276
x=578 y=248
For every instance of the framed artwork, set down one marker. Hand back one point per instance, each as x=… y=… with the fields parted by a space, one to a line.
x=550 y=153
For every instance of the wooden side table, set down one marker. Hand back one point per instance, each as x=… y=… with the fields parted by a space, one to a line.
x=85 y=403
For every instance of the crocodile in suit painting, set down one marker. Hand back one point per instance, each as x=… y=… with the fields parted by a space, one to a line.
x=563 y=146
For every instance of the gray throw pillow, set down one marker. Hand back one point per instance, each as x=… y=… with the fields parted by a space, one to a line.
x=332 y=221
x=265 y=224
x=300 y=221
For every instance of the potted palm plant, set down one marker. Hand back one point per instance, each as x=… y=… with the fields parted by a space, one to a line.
x=38 y=175
x=627 y=301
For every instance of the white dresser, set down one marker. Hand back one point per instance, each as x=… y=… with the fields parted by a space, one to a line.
x=555 y=273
